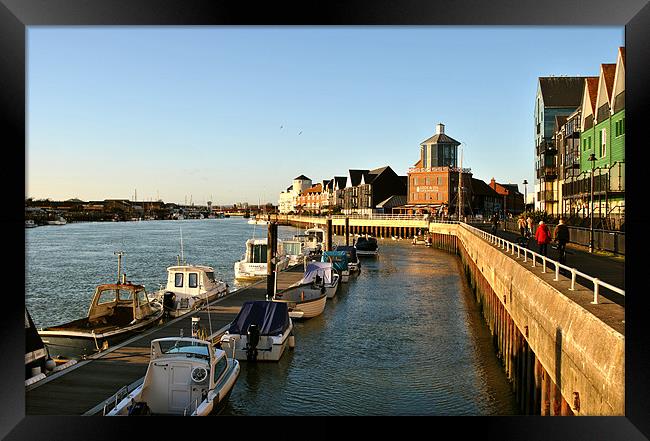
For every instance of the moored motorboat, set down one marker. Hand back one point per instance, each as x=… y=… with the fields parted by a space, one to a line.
x=322 y=274
x=185 y=376
x=58 y=221
x=189 y=287
x=354 y=264
x=307 y=297
x=117 y=311
x=366 y=246
x=262 y=331
x=294 y=250
x=339 y=260
x=254 y=262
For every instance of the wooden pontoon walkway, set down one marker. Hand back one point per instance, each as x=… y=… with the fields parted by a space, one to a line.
x=84 y=388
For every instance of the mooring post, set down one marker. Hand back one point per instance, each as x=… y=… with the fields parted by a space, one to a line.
x=347 y=231
x=271 y=253
x=328 y=231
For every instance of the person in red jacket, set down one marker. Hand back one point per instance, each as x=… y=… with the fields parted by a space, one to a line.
x=543 y=236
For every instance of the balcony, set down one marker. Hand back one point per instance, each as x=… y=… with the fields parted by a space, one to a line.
x=547 y=173
x=546 y=146
x=546 y=196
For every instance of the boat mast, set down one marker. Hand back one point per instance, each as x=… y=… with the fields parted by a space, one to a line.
x=182 y=261
x=119 y=255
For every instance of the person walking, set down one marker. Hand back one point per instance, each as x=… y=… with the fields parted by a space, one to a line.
x=543 y=236
x=529 y=221
x=561 y=235
x=495 y=223
x=521 y=223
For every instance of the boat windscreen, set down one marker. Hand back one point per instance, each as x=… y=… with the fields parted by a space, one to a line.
x=184 y=347
x=291 y=248
x=271 y=317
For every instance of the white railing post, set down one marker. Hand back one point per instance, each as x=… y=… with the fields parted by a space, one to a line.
x=543 y=264
x=557 y=272
x=573 y=279
x=595 y=302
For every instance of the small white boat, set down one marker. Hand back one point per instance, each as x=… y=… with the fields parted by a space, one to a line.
x=29 y=223
x=253 y=221
x=189 y=287
x=307 y=297
x=254 y=263
x=185 y=376
x=58 y=221
x=294 y=250
x=313 y=239
x=322 y=274
x=262 y=331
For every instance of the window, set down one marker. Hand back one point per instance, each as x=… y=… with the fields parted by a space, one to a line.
x=220 y=368
x=142 y=297
x=603 y=143
x=125 y=294
x=106 y=296
x=178 y=280
x=193 y=280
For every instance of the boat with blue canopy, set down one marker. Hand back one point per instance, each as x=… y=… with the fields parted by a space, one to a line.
x=339 y=260
x=261 y=331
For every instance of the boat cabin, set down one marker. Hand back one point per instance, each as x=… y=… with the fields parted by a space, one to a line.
x=119 y=304
x=292 y=247
x=316 y=235
x=190 y=279
x=181 y=372
x=256 y=251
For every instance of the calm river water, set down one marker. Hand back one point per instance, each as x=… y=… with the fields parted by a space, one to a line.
x=403 y=338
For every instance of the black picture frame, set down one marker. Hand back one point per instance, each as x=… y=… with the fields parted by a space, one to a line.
x=16 y=15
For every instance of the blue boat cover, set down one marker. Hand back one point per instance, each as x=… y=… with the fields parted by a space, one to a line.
x=271 y=317
x=350 y=250
x=338 y=258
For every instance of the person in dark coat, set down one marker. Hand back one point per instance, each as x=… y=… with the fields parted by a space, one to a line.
x=561 y=235
x=543 y=236
x=495 y=223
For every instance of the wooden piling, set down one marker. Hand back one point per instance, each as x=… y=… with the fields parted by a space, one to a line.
x=271 y=252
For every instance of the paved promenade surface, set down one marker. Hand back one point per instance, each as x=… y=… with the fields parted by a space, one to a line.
x=609 y=269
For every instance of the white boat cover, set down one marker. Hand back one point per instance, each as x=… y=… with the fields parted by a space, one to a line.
x=322 y=269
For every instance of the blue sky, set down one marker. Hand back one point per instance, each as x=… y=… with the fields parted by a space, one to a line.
x=195 y=113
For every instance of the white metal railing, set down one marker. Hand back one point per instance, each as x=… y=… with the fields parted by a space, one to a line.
x=510 y=247
x=373 y=217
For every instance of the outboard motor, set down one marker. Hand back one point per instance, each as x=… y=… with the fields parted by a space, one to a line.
x=169 y=302
x=253 y=339
x=139 y=408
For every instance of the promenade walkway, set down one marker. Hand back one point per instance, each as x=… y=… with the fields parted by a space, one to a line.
x=610 y=269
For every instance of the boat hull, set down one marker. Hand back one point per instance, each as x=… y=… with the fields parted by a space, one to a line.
x=269 y=348
x=73 y=345
x=305 y=309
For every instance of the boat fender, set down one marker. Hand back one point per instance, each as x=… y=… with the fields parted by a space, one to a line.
x=302 y=295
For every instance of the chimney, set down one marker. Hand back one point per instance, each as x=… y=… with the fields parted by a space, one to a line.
x=440 y=129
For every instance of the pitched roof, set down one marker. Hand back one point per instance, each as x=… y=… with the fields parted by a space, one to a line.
x=393 y=201
x=314 y=189
x=340 y=181
x=355 y=177
x=592 y=90
x=609 y=70
x=622 y=52
x=302 y=178
x=440 y=138
x=562 y=91
x=480 y=188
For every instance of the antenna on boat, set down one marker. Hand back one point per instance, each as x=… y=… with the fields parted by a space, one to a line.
x=119 y=255
x=182 y=257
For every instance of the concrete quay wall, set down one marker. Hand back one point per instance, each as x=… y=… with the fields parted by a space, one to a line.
x=548 y=343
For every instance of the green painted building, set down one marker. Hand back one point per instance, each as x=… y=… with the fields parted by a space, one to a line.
x=603 y=136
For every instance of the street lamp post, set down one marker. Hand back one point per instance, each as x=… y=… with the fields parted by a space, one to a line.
x=592 y=158
x=525 y=195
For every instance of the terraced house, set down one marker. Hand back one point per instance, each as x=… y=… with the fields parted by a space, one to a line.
x=556 y=97
x=601 y=149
